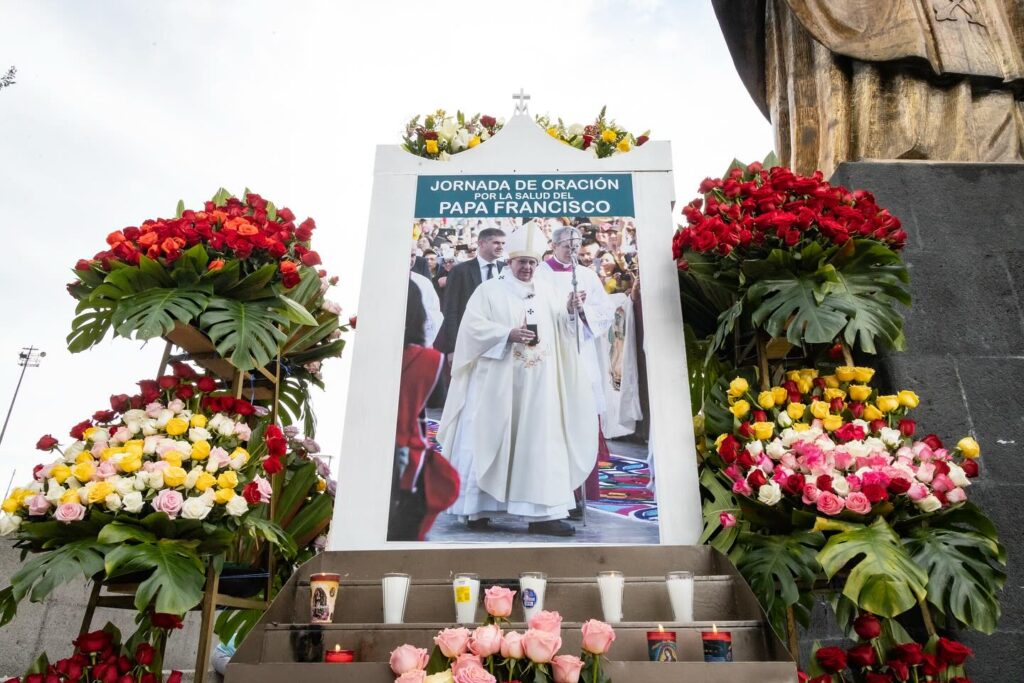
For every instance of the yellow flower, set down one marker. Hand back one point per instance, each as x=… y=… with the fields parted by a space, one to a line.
x=321 y=485
x=808 y=373
x=108 y=453
x=719 y=440
x=240 y=452
x=763 y=430
x=738 y=387
x=172 y=458
x=99 y=491
x=908 y=399
x=223 y=496
x=176 y=426
x=197 y=420
x=60 y=473
x=969 y=447
x=134 y=447
x=609 y=135
x=93 y=431
x=431 y=146
x=887 y=403
x=10 y=505
x=834 y=393
x=84 y=456
x=832 y=423
x=819 y=409
x=69 y=496
x=872 y=413
x=846 y=373
x=83 y=471
x=174 y=476
x=780 y=395
x=205 y=481
x=740 y=409
x=793 y=375
x=553 y=132
x=623 y=145
x=863 y=375
x=801 y=426
x=200 y=450
x=796 y=410
x=130 y=463
x=474 y=141
x=227 y=479
x=766 y=400
x=859 y=392
x=804 y=385
x=831 y=381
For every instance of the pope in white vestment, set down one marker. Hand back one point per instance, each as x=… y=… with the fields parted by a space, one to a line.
x=520 y=421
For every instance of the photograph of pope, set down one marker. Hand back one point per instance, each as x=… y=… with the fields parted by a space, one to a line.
x=520 y=421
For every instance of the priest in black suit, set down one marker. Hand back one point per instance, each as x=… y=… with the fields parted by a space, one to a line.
x=466 y=277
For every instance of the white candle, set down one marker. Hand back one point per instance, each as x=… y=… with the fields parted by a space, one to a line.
x=680 y=594
x=396 y=589
x=611 y=584
x=531 y=593
x=466 y=589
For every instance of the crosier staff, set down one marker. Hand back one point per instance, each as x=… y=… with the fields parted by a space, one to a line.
x=574 y=245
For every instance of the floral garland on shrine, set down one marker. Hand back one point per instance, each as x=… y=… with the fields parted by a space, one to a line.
x=439 y=135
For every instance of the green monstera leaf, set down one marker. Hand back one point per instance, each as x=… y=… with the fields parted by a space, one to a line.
x=153 y=312
x=176 y=574
x=964 y=565
x=247 y=333
x=883 y=578
x=719 y=500
x=780 y=570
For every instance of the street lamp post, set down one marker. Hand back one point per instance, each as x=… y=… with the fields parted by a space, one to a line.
x=28 y=357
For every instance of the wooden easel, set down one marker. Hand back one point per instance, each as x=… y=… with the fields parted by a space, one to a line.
x=196 y=347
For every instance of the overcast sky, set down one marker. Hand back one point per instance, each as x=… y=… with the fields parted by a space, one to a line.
x=122 y=108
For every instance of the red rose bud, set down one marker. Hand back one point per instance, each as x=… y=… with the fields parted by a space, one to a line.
x=745 y=430
x=899 y=669
x=175 y=677
x=824 y=483
x=831 y=659
x=908 y=653
x=819 y=382
x=206 y=384
x=756 y=479
x=144 y=654
x=166 y=621
x=148 y=678
x=251 y=493
x=867 y=626
x=795 y=397
x=952 y=652
x=760 y=416
x=794 y=485
x=931 y=666
x=36 y=470
x=745 y=459
x=875 y=493
x=876 y=425
x=183 y=371
x=970 y=468
x=862 y=656
x=272 y=464
x=120 y=402
x=836 y=352
x=124 y=665
x=167 y=382
x=791 y=387
x=184 y=392
x=641 y=140
x=836 y=405
x=46 y=443
x=907 y=426
x=311 y=258
x=352 y=322
x=104 y=415
x=126 y=678
x=78 y=431
x=728 y=449
x=285 y=214
x=243 y=408
x=94 y=641
x=933 y=442
x=941 y=467
x=856 y=409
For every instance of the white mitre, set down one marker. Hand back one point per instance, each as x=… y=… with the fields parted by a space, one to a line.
x=527 y=241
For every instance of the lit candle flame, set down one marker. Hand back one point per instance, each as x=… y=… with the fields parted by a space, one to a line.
x=337 y=647
x=714 y=628
x=661 y=629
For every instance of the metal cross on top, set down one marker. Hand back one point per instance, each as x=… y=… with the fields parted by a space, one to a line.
x=521 y=107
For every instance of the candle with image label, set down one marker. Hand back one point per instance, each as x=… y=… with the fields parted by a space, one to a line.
x=531 y=591
x=717 y=645
x=661 y=645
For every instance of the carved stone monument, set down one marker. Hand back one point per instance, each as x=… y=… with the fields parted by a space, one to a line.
x=848 y=80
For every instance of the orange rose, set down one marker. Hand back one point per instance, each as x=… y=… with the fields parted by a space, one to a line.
x=148 y=239
x=216 y=264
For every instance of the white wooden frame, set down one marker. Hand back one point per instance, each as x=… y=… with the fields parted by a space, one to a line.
x=364 y=483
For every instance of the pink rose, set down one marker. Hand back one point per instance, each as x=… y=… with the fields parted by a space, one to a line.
x=829 y=503
x=242 y=431
x=153 y=410
x=566 y=668
x=219 y=457
x=925 y=472
x=842 y=460
x=106 y=470
x=168 y=501
x=70 y=512
x=917 y=491
x=264 y=488
x=742 y=488
x=540 y=646
x=597 y=637
x=452 y=641
x=38 y=505
x=485 y=640
x=766 y=464
x=512 y=646
x=876 y=478
x=477 y=675
x=727 y=519
x=498 y=601
x=956 y=495
x=858 y=502
x=854 y=482
x=811 y=493
x=943 y=483
x=414 y=676
x=408 y=658
x=466 y=661
x=547 y=621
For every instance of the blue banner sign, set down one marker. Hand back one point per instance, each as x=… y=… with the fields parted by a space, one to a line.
x=525 y=196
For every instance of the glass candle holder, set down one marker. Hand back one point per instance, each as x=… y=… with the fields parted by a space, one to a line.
x=680 y=594
x=395 y=589
x=466 y=591
x=611 y=585
x=532 y=586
